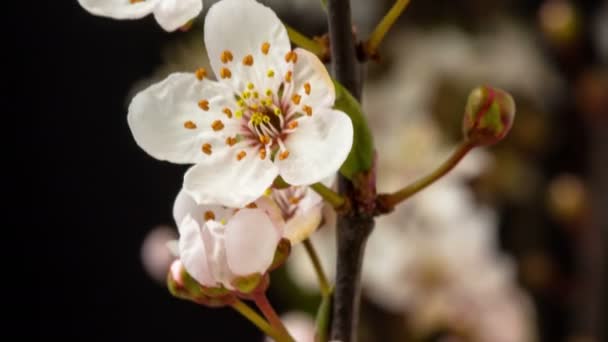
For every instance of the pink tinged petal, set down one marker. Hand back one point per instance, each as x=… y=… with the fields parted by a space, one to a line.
x=173 y=14
x=303 y=224
x=185 y=205
x=213 y=233
x=317 y=148
x=228 y=181
x=193 y=253
x=167 y=122
x=268 y=206
x=119 y=9
x=312 y=83
x=251 y=241
x=242 y=27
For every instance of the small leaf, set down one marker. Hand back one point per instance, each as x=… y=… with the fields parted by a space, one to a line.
x=360 y=158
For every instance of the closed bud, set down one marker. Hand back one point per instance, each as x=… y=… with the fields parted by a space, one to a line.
x=488 y=116
x=183 y=286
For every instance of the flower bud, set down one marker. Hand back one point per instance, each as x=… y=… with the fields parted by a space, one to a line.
x=488 y=116
x=183 y=286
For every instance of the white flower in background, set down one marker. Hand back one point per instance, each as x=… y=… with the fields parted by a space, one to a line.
x=219 y=244
x=155 y=256
x=170 y=14
x=268 y=114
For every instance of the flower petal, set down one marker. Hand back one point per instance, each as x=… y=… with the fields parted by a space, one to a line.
x=243 y=28
x=317 y=148
x=119 y=9
x=303 y=224
x=173 y=14
x=167 y=122
x=311 y=82
x=225 y=180
x=185 y=205
x=192 y=251
x=251 y=241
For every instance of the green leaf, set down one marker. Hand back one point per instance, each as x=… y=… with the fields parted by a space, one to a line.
x=360 y=158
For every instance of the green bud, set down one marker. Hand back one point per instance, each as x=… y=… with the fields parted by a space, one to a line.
x=488 y=116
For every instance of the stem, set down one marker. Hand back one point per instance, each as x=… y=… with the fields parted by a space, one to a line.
x=354 y=228
x=254 y=318
x=386 y=202
x=376 y=38
x=302 y=41
x=335 y=199
x=264 y=305
x=316 y=263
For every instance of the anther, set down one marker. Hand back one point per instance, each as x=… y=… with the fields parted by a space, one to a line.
x=283 y=155
x=200 y=73
x=228 y=112
x=226 y=56
x=265 y=47
x=262 y=153
x=225 y=73
x=270 y=73
x=252 y=205
x=250 y=86
x=307 y=88
x=207 y=148
x=189 y=125
x=264 y=139
x=294 y=200
x=307 y=110
x=230 y=141
x=209 y=215
x=241 y=155
x=204 y=105
x=292 y=124
x=288 y=76
x=296 y=99
x=248 y=60
x=291 y=57
x=217 y=125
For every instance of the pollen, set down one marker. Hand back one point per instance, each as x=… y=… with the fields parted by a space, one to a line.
x=230 y=141
x=250 y=86
x=283 y=155
x=189 y=125
x=256 y=95
x=293 y=125
x=226 y=56
x=207 y=148
x=294 y=200
x=268 y=92
x=238 y=114
x=225 y=73
x=135 y=1
x=291 y=57
x=296 y=98
x=228 y=112
x=209 y=215
x=265 y=47
x=288 y=76
x=307 y=110
x=277 y=111
x=217 y=125
x=307 y=88
x=248 y=60
x=241 y=155
x=204 y=105
x=270 y=73
x=262 y=153
x=200 y=73
x=252 y=205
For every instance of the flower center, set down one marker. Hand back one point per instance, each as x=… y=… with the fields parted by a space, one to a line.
x=288 y=200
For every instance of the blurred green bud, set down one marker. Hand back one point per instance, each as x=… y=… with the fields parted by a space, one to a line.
x=488 y=116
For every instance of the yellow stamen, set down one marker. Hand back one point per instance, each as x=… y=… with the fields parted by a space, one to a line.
x=307 y=110
x=264 y=139
x=228 y=112
x=262 y=153
x=307 y=88
x=250 y=86
x=283 y=155
x=268 y=92
x=293 y=125
x=288 y=76
x=294 y=200
x=252 y=205
x=230 y=141
x=291 y=56
x=209 y=215
x=241 y=155
x=248 y=60
x=270 y=73
x=189 y=125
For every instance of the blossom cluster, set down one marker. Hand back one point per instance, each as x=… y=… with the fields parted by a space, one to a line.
x=268 y=113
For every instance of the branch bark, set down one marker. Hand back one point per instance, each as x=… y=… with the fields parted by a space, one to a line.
x=353 y=229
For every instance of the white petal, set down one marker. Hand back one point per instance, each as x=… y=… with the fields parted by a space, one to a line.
x=228 y=181
x=241 y=27
x=303 y=224
x=119 y=9
x=317 y=148
x=192 y=251
x=251 y=241
x=173 y=14
x=158 y=116
x=312 y=82
x=185 y=205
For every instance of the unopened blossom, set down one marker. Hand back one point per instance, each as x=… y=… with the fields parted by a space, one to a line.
x=268 y=114
x=218 y=245
x=170 y=14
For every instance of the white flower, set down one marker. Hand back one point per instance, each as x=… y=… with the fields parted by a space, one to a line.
x=269 y=114
x=218 y=244
x=170 y=14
